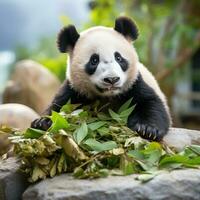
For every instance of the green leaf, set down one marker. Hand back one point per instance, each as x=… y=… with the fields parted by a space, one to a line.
x=173 y=159
x=61 y=162
x=58 y=122
x=126 y=166
x=81 y=133
x=152 y=146
x=68 y=108
x=146 y=177
x=78 y=172
x=124 y=114
x=96 y=125
x=33 y=133
x=125 y=106
x=97 y=146
x=103 y=131
x=42 y=161
x=137 y=154
x=115 y=116
x=53 y=168
x=195 y=149
x=154 y=157
x=102 y=116
x=103 y=172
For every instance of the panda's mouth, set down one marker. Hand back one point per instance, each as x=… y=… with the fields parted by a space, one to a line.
x=106 y=89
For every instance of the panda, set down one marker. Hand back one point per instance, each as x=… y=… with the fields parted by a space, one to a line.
x=103 y=64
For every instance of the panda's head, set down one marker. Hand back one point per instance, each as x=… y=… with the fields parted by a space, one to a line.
x=102 y=60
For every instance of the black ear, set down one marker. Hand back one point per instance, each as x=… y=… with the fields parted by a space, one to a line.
x=67 y=38
x=126 y=27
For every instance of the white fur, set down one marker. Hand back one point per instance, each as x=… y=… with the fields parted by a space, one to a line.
x=105 y=42
x=108 y=67
x=151 y=81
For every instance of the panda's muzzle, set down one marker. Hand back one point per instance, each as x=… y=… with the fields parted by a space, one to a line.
x=111 y=80
x=102 y=90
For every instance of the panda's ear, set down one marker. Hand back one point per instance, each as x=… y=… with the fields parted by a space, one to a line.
x=126 y=27
x=67 y=38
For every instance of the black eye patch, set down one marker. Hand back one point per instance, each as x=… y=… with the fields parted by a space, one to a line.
x=92 y=64
x=121 y=61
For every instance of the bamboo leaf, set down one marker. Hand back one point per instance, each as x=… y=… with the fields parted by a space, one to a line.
x=58 y=122
x=33 y=133
x=114 y=115
x=125 y=106
x=96 y=125
x=97 y=146
x=81 y=133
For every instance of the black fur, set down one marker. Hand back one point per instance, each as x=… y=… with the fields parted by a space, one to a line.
x=67 y=38
x=99 y=89
x=122 y=61
x=65 y=94
x=149 y=118
x=92 y=64
x=126 y=27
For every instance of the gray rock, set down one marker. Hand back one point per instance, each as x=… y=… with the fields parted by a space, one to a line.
x=175 y=185
x=12 y=182
x=31 y=84
x=178 y=138
x=179 y=184
x=17 y=115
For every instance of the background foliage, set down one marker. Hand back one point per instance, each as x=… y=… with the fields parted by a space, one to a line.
x=169 y=34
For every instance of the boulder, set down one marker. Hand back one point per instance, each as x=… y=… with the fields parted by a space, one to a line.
x=178 y=138
x=16 y=115
x=31 y=84
x=12 y=182
x=175 y=185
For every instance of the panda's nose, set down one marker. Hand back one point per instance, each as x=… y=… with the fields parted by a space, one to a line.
x=111 y=80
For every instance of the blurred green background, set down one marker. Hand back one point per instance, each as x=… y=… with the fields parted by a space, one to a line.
x=168 y=43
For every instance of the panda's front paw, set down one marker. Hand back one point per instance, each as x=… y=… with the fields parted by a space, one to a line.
x=149 y=132
x=42 y=123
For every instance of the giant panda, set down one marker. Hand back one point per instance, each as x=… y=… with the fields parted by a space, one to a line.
x=103 y=64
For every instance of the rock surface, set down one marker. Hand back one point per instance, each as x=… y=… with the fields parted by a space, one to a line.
x=175 y=185
x=12 y=183
x=178 y=138
x=16 y=115
x=31 y=84
x=179 y=184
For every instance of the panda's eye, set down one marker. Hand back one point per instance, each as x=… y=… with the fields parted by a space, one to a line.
x=94 y=60
x=123 y=62
x=118 y=57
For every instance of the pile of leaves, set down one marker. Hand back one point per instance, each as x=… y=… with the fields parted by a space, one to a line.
x=91 y=143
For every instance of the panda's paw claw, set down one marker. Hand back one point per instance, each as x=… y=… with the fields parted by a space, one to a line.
x=149 y=132
x=42 y=123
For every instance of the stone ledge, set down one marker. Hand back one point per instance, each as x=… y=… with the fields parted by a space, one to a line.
x=178 y=184
x=180 y=137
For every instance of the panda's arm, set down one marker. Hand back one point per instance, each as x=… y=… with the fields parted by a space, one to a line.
x=150 y=117
x=65 y=93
